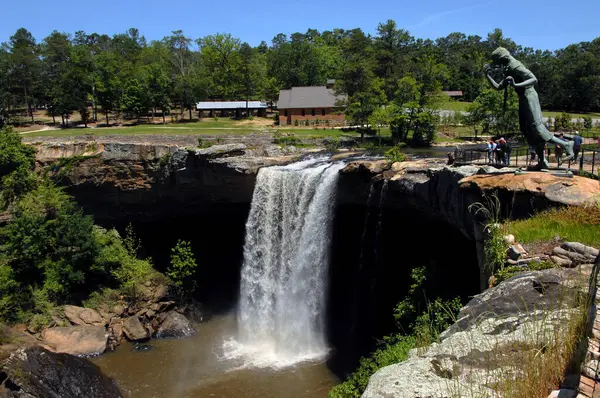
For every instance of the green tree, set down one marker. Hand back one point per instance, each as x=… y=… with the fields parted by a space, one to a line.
x=24 y=67
x=183 y=267
x=16 y=166
x=488 y=114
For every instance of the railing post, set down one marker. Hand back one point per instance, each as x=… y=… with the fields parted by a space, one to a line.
x=593 y=162
x=517 y=159
x=581 y=160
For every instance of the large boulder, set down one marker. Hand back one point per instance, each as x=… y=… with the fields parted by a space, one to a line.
x=38 y=373
x=76 y=340
x=134 y=330
x=519 y=313
x=175 y=325
x=83 y=316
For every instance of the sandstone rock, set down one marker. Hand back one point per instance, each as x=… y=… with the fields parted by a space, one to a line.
x=516 y=251
x=83 y=316
x=509 y=239
x=575 y=257
x=134 y=330
x=118 y=310
x=150 y=313
x=36 y=372
x=372 y=167
x=488 y=329
x=76 y=340
x=116 y=330
x=575 y=191
x=160 y=292
x=561 y=261
x=175 y=325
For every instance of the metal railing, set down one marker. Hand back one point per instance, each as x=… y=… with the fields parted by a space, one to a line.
x=587 y=163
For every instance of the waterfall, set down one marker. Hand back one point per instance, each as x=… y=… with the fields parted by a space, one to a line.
x=284 y=274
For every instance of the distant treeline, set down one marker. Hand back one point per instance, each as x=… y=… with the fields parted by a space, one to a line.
x=127 y=74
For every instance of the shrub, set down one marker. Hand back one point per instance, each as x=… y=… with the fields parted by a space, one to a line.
x=395 y=154
x=495 y=250
x=332 y=144
x=183 y=267
x=588 y=123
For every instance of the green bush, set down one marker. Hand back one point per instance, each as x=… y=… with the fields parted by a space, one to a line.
x=395 y=154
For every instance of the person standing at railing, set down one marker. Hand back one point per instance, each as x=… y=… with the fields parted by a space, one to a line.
x=507 y=150
x=577 y=141
x=491 y=151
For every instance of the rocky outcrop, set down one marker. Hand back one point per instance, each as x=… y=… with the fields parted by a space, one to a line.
x=76 y=340
x=149 y=180
x=446 y=193
x=38 y=373
x=134 y=330
x=561 y=190
x=175 y=325
x=83 y=316
x=485 y=344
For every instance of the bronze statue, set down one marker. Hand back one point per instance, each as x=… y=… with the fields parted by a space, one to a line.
x=531 y=122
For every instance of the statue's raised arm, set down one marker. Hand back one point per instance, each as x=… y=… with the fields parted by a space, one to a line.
x=531 y=121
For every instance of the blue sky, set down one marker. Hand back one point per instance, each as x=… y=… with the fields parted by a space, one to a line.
x=545 y=24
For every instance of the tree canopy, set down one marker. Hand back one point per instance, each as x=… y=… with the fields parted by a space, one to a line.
x=127 y=74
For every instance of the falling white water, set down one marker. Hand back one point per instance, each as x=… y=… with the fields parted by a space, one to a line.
x=284 y=275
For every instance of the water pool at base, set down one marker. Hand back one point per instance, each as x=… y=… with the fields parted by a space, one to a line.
x=195 y=367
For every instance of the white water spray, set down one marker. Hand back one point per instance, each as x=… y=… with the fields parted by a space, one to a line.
x=284 y=275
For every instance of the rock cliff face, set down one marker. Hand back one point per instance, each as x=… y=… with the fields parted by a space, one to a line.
x=142 y=181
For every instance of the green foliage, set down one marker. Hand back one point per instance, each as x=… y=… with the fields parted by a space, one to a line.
x=495 y=250
x=419 y=329
x=588 y=123
x=131 y=271
x=286 y=139
x=183 y=267
x=487 y=112
x=564 y=122
x=332 y=144
x=106 y=297
x=165 y=160
x=16 y=165
x=394 y=351
x=395 y=154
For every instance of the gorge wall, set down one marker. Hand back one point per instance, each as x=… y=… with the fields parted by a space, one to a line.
x=387 y=219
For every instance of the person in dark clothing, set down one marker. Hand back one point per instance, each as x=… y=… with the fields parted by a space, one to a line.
x=577 y=141
x=506 y=149
x=559 y=152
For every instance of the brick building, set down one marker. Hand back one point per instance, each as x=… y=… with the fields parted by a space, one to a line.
x=309 y=103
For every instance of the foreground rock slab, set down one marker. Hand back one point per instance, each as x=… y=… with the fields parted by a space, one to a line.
x=488 y=329
x=76 y=340
x=38 y=373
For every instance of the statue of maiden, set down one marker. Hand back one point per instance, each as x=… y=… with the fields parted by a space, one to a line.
x=530 y=113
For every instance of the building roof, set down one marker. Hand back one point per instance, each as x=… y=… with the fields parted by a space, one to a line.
x=453 y=93
x=307 y=97
x=211 y=105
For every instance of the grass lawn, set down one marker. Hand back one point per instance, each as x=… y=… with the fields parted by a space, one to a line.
x=460 y=106
x=578 y=224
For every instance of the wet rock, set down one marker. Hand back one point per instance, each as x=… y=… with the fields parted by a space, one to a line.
x=134 y=330
x=76 y=340
x=142 y=347
x=83 y=316
x=39 y=373
x=175 y=325
x=116 y=330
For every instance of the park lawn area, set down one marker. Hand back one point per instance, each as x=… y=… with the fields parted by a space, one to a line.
x=208 y=128
x=457 y=106
x=594 y=115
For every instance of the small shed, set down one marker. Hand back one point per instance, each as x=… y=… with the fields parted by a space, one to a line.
x=231 y=108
